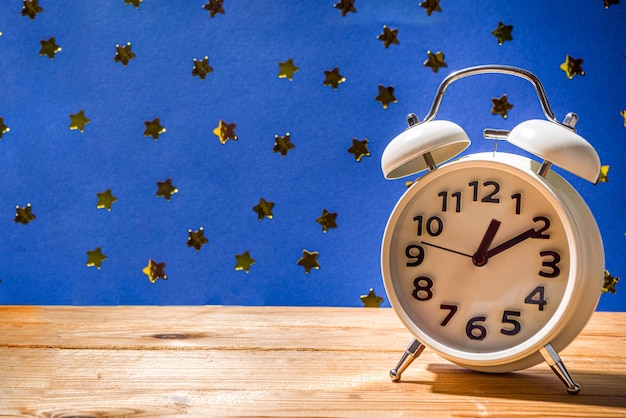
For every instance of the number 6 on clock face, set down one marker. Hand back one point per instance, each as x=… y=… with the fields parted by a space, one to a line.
x=479 y=259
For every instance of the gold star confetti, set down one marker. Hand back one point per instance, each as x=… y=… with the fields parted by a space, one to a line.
x=359 y=149
x=623 y=113
x=385 y=96
x=503 y=33
x=225 y=131
x=389 y=36
x=309 y=261
x=196 y=239
x=24 y=215
x=123 y=54
x=264 y=209
x=78 y=121
x=371 y=300
x=327 y=220
x=95 y=258
x=155 y=271
x=608 y=3
x=154 y=128
x=133 y=2
x=105 y=200
x=287 y=69
x=201 y=68
x=430 y=6
x=333 y=78
x=214 y=7
x=244 y=261
x=283 y=144
x=572 y=66
x=31 y=8
x=166 y=189
x=345 y=6
x=49 y=48
x=3 y=128
x=501 y=106
x=609 y=283
x=435 y=61
x=603 y=177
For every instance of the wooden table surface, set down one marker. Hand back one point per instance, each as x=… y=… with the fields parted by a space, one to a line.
x=272 y=361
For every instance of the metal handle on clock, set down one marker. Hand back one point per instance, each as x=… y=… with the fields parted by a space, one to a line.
x=491 y=69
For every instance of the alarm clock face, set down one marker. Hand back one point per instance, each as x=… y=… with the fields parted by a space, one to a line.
x=477 y=260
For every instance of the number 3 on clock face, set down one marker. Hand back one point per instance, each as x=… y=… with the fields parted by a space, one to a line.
x=477 y=260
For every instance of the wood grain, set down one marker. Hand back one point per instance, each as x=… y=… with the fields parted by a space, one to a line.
x=276 y=361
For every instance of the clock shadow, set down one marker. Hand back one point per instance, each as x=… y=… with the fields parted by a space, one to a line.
x=536 y=384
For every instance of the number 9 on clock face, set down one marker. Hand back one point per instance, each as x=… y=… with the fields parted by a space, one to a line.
x=477 y=261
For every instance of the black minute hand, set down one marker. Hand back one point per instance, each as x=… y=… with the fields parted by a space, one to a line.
x=513 y=241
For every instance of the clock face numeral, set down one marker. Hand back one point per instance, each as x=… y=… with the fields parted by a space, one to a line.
x=540 y=232
x=537 y=297
x=444 y=201
x=518 y=202
x=453 y=310
x=492 y=188
x=434 y=225
x=415 y=253
x=506 y=319
x=475 y=331
x=423 y=288
x=552 y=264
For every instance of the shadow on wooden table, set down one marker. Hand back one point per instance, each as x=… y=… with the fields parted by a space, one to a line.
x=600 y=389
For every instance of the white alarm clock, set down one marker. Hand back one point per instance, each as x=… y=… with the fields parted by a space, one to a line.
x=492 y=260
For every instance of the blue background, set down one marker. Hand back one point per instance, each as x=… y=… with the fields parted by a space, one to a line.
x=59 y=171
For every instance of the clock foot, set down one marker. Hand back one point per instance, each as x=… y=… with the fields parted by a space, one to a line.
x=553 y=359
x=413 y=351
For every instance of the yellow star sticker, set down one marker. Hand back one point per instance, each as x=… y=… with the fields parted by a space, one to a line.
x=133 y=2
x=3 y=128
x=385 y=96
x=359 y=149
x=501 y=106
x=572 y=66
x=264 y=209
x=283 y=144
x=166 y=189
x=244 y=261
x=371 y=300
x=123 y=54
x=78 y=121
x=609 y=283
x=95 y=258
x=435 y=61
x=201 y=68
x=309 y=261
x=225 y=131
x=49 y=48
x=345 y=6
x=389 y=36
x=214 y=7
x=327 y=220
x=31 y=8
x=105 y=200
x=153 y=128
x=503 y=33
x=430 y=6
x=197 y=239
x=623 y=113
x=155 y=271
x=603 y=177
x=24 y=215
x=333 y=78
x=287 y=69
